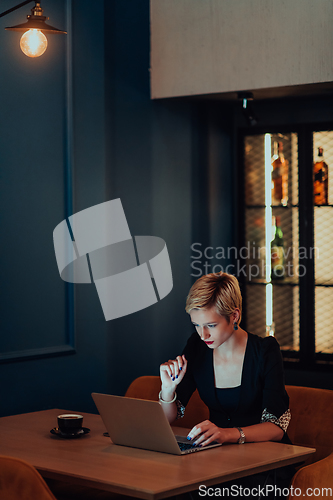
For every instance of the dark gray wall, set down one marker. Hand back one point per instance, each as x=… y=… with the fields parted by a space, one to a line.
x=35 y=146
x=152 y=155
x=156 y=152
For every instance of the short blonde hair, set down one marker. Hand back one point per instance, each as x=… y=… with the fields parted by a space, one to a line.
x=216 y=289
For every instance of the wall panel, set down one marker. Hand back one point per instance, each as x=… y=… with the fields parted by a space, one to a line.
x=35 y=309
x=42 y=153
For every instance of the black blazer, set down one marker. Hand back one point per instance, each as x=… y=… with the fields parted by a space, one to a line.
x=262 y=383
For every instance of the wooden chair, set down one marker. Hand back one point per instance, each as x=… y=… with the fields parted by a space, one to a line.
x=311 y=425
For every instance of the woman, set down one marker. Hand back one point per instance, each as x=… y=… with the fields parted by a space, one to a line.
x=239 y=376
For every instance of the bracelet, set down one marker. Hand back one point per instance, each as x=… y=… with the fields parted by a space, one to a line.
x=162 y=400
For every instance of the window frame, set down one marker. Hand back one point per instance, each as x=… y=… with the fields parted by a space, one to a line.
x=306 y=357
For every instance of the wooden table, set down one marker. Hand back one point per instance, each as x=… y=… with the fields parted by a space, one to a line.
x=93 y=461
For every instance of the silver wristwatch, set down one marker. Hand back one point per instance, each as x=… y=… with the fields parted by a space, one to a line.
x=241 y=440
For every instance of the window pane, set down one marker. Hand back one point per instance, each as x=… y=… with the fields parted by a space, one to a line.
x=286 y=316
x=255 y=170
x=258 y=221
x=254 y=250
x=324 y=318
x=323 y=223
x=324 y=140
x=256 y=309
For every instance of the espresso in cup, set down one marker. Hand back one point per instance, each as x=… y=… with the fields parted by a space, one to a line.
x=70 y=422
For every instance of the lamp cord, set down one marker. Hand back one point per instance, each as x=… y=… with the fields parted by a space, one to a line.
x=15 y=8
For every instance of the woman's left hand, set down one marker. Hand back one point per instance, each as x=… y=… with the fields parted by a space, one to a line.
x=206 y=432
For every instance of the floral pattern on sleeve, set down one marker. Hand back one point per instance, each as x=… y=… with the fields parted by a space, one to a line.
x=180 y=409
x=281 y=422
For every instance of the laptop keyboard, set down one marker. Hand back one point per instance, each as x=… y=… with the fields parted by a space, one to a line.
x=186 y=446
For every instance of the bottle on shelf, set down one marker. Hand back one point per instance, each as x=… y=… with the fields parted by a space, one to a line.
x=277 y=250
x=320 y=180
x=279 y=176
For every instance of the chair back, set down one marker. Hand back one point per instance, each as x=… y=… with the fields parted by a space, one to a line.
x=148 y=387
x=311 y=419
x=20 y=481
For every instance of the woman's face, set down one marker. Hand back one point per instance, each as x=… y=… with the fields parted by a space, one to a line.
x=213 y=329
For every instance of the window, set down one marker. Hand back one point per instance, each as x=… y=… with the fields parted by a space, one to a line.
x=286 y=225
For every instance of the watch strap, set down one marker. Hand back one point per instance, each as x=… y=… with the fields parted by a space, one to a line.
x=241 y=440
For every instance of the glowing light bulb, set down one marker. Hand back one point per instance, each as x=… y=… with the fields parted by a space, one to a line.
x=33 y=43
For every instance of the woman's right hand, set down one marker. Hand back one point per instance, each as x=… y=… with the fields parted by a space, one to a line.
x=172 y=372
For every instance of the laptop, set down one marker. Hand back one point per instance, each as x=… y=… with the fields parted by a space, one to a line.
x=140 y=423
